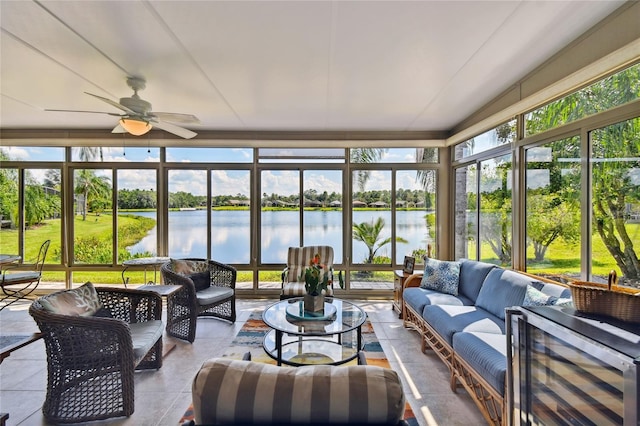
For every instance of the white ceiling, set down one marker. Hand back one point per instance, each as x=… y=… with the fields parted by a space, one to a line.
x=271 y=65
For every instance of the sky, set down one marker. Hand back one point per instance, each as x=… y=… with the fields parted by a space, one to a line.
x=224 y=182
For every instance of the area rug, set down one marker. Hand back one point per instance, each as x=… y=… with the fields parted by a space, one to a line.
x=250 y=337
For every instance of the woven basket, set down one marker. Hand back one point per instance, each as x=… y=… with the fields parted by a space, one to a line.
x=622 y=303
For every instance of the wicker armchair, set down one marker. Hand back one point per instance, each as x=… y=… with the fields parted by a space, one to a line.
x=91 y=359
x=217 y=299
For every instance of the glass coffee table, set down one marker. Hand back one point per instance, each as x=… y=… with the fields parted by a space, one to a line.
x=297 y=339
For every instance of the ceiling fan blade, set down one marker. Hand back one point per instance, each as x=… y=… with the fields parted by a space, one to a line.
x=90 y=112
x=118 y=129
x=175 y=117
x=176 y=130
x=112 y=103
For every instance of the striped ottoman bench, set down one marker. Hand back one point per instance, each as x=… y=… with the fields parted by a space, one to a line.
x=229 y=391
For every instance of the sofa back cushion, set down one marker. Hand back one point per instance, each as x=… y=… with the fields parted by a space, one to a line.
x=501 y=289
x=82 y=301
x=472 y=275
x=229 y=391
x=441 y=275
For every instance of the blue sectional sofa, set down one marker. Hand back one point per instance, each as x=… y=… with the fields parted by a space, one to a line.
x=465 y=324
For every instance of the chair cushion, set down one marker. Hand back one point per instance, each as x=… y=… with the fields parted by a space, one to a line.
x=187 y=267
x=298 y=259
x=501 y=289
x=144 y=335
x=201 y=280
x=243 y=392
x=20 y=277
x=81 y=301
x=418 y=298
x=213 y=294
x=441 y=275
x=447 y=320
x=486 y=353
x=292 y=289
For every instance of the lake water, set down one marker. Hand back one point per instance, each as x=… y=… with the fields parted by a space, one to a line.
x=231 y=234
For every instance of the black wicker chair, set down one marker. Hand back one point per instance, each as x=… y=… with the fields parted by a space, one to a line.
x=91 y=359
x=27 y=281
x=184 y=308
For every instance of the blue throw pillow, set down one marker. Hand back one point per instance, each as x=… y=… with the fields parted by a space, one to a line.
x=441 y=275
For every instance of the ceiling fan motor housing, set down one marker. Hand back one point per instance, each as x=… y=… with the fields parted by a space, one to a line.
x=136 y=104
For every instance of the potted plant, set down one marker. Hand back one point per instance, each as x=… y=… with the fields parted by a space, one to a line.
x=316 y=279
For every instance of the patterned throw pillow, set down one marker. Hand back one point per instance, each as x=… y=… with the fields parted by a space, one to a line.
x=82 y=301
x=188 y=267
x=562 y=301
x=442 y=276
x=534 y=297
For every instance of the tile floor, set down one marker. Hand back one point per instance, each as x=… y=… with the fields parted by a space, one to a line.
x=162 y=396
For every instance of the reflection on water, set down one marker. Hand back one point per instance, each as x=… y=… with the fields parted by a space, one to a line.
x=231 y=234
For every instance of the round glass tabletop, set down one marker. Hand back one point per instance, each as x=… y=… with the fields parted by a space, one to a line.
x=347 y=317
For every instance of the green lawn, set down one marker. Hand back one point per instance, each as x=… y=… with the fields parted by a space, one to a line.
x=563 y=258
x=132 y=229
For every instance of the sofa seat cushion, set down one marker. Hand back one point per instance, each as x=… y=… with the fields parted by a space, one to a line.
x=447 y=320
x=501 y=289
x=213 y=294
x=486 y=353
x=418 y=298
x=229 y=391
x=472 y=275
x=144 y=335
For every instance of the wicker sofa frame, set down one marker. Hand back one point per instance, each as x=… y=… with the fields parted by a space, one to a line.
x=91 y=361
x=183 y=308
x=490 y=403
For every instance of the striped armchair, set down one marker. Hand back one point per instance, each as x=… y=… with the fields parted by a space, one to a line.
x=298 y=259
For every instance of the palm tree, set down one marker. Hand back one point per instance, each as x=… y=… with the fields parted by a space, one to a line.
x=88 y=153
x=88 y=184
x=365 y=155
x=369 y=234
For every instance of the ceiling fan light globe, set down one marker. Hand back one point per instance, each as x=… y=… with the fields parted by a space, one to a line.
x=135 y=127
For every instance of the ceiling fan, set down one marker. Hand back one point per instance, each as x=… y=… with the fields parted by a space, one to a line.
x=138 y=118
